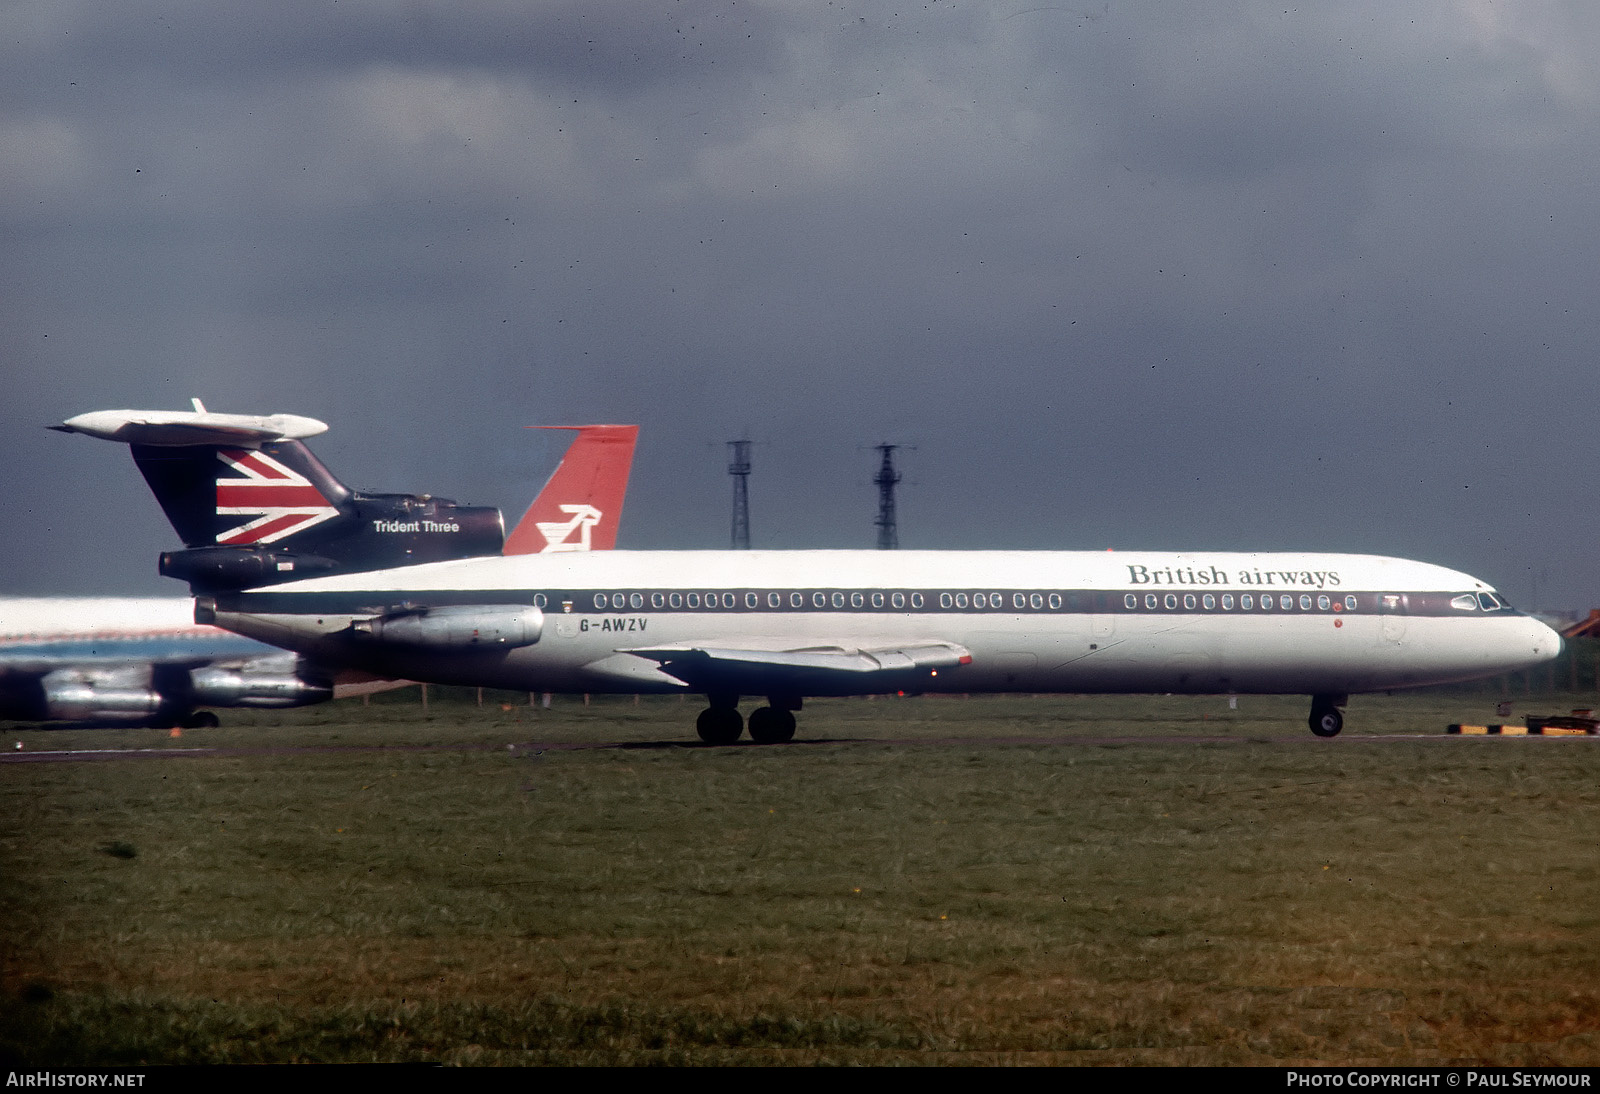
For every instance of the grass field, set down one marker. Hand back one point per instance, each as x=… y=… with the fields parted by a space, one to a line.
x=1054 y=880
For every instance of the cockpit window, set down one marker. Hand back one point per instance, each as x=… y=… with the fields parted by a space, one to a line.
x=1466 y=602
x=1489 y=602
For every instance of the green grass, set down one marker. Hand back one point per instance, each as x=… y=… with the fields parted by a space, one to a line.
x=1072 y=879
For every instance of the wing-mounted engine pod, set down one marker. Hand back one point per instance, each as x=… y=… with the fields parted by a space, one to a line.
x=219 y=686
x=457 y=628
x=125 y=694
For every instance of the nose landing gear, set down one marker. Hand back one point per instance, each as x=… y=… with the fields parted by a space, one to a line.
x=1326 y=720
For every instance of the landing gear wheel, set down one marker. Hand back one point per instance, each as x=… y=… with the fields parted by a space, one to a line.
x=202 y=719
x=771 y=727
x=1326 y=721
x=719 y=725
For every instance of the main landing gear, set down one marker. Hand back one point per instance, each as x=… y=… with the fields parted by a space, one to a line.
x=720 y=723
x=1326 y=721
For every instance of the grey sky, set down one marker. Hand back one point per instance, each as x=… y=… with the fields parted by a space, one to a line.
x=1237 y=276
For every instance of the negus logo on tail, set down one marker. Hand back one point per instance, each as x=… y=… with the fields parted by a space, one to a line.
x=283 y=502
x=557 y=534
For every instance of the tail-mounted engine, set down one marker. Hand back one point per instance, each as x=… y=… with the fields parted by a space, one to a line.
x=463 y=628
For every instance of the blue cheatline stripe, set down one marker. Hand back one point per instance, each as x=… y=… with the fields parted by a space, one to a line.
x=155 y=648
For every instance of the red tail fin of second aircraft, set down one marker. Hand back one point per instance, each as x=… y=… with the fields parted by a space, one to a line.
x=580 y=508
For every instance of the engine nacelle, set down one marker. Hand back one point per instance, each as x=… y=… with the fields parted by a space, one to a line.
x=222 y=687
x=122 y=695
x=240 y=567
x=461 y=628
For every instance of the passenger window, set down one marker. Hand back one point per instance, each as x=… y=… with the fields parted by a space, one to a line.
x=838 y=600
x=1035 y=601
x=1227 y=602
x=600 y=601
x=774 y=600
x=635 y=600
x=1323 y=602
x=897 y=600
x=1055 y=601
x=1130 y=602
x=917 y=601
x=1286 y=602
x=946 y=600
x=961 y=600
x=1172 y=601
x=1305 y=602
x=675 y=600
x=857 y=600
x=1188 y=601
x=1208 y=601
x=797 y=600
x=1149 y=600
x=693 y=600
x=1350 y=603
x=819 y=600
x=540 y=600
x=877 y=600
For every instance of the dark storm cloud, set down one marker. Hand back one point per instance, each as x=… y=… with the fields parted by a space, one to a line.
x=1210 y=276
x=622 y=47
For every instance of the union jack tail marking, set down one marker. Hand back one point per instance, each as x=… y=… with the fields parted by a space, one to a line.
x=283 y=501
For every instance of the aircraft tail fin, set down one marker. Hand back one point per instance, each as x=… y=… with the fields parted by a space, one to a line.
x=580 y=508
x=254 y=507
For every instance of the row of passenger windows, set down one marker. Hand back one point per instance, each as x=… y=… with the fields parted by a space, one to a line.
x=1245 y=602
x=901 y=600
x=774 y=601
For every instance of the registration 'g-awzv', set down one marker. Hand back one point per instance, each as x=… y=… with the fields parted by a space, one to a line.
x=784 y=625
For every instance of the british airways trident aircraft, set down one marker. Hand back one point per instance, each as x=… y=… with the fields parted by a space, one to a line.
x=785 y=625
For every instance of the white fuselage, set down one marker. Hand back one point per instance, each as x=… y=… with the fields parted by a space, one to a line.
x=1031 y=621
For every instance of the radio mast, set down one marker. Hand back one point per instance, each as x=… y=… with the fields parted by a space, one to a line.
x=888 y=535
x=739 y=468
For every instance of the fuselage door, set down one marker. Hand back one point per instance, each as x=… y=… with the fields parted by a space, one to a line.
x=1102 y=619
x=1392 y=612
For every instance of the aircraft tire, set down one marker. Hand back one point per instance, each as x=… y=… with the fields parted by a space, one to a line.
x=1326 y=721
x=771 y=727
x=719 y=725
x=202 y=719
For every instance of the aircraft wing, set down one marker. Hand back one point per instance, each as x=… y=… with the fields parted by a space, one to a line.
x=811 y=670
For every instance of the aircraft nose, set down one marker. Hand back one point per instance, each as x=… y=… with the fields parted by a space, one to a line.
x=1546 y=642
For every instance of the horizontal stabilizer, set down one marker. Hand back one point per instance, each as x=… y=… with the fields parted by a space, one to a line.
x=173 y=428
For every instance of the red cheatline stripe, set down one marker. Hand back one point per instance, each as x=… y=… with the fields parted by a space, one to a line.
x=261 y=531
x=267 y=496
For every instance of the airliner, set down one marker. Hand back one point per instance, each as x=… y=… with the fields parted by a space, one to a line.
x=145 y=661
x=787 y=625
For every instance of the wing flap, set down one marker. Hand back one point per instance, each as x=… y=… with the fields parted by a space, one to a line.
x=812 y=670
